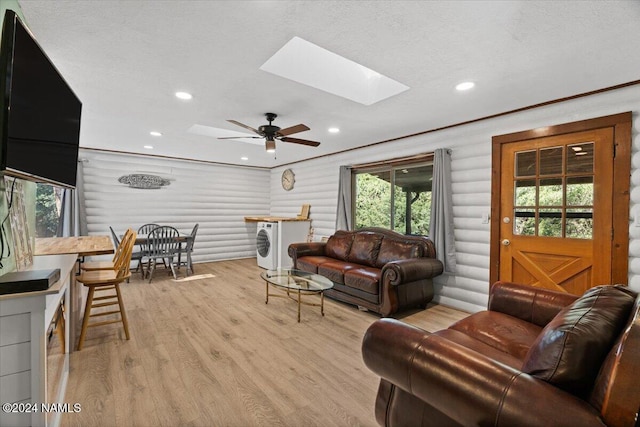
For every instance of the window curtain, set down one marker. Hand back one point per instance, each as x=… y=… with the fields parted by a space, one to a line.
x=343 y=217
x=72 y=213
x=441 y=226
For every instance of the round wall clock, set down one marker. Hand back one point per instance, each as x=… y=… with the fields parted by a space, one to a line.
x=288 y=179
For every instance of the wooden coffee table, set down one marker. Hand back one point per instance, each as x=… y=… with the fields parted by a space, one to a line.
x=296 y=283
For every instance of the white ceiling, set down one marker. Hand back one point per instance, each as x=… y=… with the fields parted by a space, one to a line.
x=126 y=59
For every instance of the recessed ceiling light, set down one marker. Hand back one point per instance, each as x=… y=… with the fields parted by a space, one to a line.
x=465 y=85
x=155 y=133
x=334 y=130
x=244 y=158
x=183 y=95
x=149 y=147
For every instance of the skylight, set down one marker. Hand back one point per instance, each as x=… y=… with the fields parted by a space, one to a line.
x=311 y=65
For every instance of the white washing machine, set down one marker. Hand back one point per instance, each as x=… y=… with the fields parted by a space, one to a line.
x=267 y=245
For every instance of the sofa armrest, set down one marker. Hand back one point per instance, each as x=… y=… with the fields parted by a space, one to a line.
x=410 y=270
x=529 y=303
x=465 y=385
x=297 y=250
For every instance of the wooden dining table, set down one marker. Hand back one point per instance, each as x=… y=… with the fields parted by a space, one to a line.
x=142 y=239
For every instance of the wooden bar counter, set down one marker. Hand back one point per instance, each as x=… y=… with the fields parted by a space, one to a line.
x=271 y=219
x=82 y=245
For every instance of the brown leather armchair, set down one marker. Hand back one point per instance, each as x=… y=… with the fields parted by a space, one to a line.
x=534 y=358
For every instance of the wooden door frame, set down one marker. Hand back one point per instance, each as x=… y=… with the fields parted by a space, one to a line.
x=621 y=124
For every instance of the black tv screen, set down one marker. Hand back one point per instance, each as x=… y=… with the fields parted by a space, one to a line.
x=40 y=120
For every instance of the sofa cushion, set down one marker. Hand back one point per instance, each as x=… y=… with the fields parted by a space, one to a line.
x=352 y=295
x=334 y=270
x=482 y=348
x=500 y=331
x=366 y=279
x=338 y=245
x=311 y=263
x=393 y=250
x=571 y=348
x=365 y=248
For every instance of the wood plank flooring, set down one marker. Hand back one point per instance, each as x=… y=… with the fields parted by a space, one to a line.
x=210 y=352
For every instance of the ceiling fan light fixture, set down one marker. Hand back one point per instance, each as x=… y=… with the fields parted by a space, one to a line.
x=271 y=146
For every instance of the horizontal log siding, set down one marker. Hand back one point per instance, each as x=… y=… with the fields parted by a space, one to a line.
x=317 y=184
x=215 y=196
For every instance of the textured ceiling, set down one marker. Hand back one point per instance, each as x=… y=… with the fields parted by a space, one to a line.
x=125 y=60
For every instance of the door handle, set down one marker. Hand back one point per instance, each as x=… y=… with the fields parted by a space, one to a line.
x=506 y=242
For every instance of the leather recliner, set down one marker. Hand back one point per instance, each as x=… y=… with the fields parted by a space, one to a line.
x=535 y=358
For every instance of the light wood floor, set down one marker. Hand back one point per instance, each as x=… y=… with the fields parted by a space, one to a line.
x=209 y=352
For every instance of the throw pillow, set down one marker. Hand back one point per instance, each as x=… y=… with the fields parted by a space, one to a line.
x=570 y=349
x=339 y=245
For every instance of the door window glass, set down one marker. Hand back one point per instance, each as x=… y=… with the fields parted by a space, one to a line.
x=526 y=162
x=580 y=223
x=551 y=192
x=525 y=223
x=580 y=158
x=554 y=192
x=551 y=161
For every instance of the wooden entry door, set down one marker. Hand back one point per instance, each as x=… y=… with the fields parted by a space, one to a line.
x=556 y=211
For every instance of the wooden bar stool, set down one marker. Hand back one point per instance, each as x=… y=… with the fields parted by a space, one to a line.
x=104 y=281
x=109 y=265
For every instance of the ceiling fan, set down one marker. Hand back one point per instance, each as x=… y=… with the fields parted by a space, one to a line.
x=272 y=133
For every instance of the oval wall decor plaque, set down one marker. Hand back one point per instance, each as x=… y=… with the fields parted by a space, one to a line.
x=144 y=181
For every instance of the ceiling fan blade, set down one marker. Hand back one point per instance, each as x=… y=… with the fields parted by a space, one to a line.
x=240 y=137
x=300 y=141
x=244 y=126
x=291 y=130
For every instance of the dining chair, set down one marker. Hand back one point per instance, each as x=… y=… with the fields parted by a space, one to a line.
x=104 y=281
x=164 y=245
x=114 y=237
x=144 y=230
x=188 y=249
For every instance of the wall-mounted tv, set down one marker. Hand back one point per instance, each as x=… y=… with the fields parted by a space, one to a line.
x=40 y=114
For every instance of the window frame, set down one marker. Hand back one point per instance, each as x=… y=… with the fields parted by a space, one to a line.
x=391 y=166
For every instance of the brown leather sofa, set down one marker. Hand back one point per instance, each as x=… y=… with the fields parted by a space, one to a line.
x=375 y=268
x=534 y=358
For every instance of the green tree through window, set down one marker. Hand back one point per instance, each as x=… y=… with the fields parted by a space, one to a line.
x=47 y=210
x=394 y=198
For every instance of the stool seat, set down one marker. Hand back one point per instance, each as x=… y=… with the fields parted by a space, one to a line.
x=97 y=265
x=100 y=277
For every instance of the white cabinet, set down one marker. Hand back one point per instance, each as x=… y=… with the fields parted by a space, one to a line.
x=31 y=371
x=290 y=232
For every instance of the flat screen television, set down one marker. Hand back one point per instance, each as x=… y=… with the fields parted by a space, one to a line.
x=40 y=116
